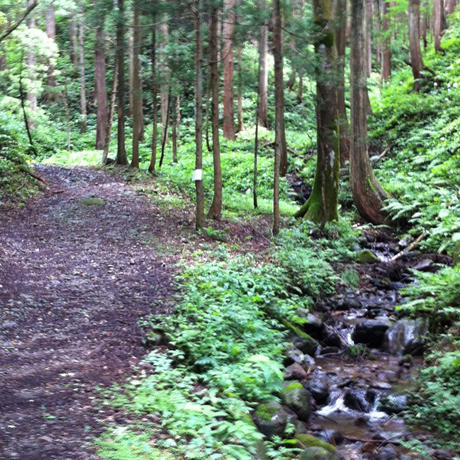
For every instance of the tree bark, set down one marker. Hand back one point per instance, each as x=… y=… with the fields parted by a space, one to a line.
x=108 y=131
x=31 y=64
x=414 y=42
x=340 y=13
x=229 y=18
x=137 y=88
x=215 y=211
x=321 y=206
x=368 y=43
x=280 y=133
x=367 y=193
x=263 y=71
x=73 y=43
x=83 y=103
x=176 y=129
x=164 y=69
x=199 y=210
x=120 y=53
x=450 y=6
x=386 y=45
x=239 y=98
x=439 y=23
x=153 y=157
x=101 y=88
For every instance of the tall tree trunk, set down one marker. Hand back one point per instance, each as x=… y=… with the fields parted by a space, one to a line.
x=340 y=13
x=386 y=45
x=199 y=212
x=229 y=18
x=321 y=207
x=439 y=23
x=108 y=128
x=153 y=157
x=368 y=43
x=279 y=112
x=164 y=87
x=240 y=89
x=367 y=193
x=31 y=65
x=414 y=42
x=51 y=33
x=73 y=37
x=450 y=6
x=176 y=129
x=131 y=71
x=83 y=103
x=101 y=89
x=378 y=31
x=215 y=211
x=263 y=71
x=280 y=133
x=120 y=53
x=137 y=88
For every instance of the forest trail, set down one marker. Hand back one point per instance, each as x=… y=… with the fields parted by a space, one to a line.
x=75 y=276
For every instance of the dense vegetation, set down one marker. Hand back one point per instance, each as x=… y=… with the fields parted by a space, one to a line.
x=221 y=354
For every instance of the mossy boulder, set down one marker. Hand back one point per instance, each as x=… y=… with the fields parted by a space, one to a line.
x=297 y=398
x=317 y=453
x=270 y=418
x=306 y=440
x=365 y=257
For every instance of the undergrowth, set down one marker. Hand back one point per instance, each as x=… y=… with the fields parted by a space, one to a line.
x=225 y=344
x=422 y=133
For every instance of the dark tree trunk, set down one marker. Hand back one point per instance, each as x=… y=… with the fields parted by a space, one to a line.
x=120 y=52
x=240 y=89
x=83 y=103
x=164 y=87
x=386 y=45
x=229 y=18
x=101 y=89
x=414 y=42
x=263 y=72
x=279 y=112
x=439 y=23
x=108 y=129
x=280 y=134
x=321 y=207
x=340 y=7
x=153 y=157
x=31 y=64
x=450 y=6
x=215 y=211
x=137 y=88
x=367 y=193
x=176 y=129
x=199 y=212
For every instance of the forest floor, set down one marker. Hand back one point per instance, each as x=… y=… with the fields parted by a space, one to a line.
x=76 y=274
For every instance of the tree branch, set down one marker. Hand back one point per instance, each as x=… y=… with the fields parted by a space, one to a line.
x=15 y=26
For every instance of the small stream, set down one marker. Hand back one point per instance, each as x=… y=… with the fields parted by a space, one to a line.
x=364 y=360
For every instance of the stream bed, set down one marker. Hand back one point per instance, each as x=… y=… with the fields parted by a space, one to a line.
x=357 y=363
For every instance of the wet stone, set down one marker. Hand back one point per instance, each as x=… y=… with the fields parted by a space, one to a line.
x=306 y=345
x=319 y=389
x=295 y=372
x=393 y=404
x=356 y=399
x=371 y=332
x=297 y=398
x=406 y=336
x=270 y=418
x=387 y=453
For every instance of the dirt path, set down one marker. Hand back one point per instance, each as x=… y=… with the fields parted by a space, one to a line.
x=75 y=275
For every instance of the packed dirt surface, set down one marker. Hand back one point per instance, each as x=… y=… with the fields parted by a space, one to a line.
x=76 y=274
